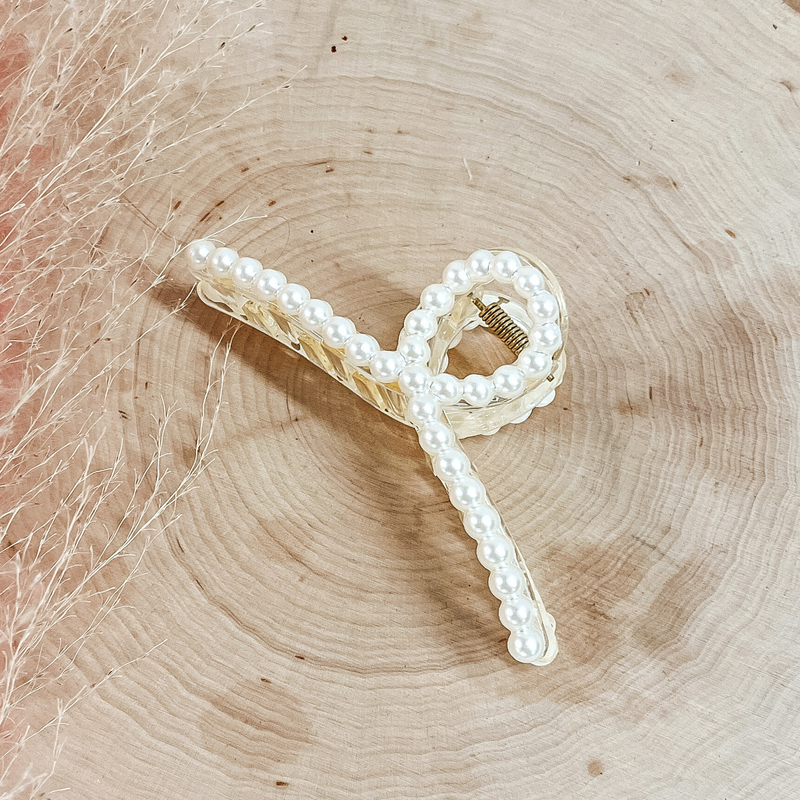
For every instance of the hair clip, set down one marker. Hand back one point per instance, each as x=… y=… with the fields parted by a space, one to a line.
x=410 y=384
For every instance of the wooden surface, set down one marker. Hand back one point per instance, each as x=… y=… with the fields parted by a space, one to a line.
x=325 y=629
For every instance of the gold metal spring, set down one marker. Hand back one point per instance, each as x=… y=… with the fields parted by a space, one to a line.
x=502 y=326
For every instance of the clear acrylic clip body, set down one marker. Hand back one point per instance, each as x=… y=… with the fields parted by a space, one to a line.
x=508 y=291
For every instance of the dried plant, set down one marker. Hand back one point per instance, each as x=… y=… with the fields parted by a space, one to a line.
x=86 y=114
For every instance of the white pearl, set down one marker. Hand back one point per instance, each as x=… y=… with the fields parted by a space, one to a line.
x=414 y=379
x=269 y=283
x=451 y=464
x=447 y=388
x=199 y=251
x=505 y=266
x=420 y=323
x=438 y=299
x=414 y=349
x=479 y=264
x=315 y=313
x=546 y=338
x=292 y=297
x=527 y=645
x=481 y=521
x=456 y=277
x=543 y=307
x=222 y=260
x=361 y=349
x=508 y=381
x=506 y=581
x=528 y=281
x=338 y=331
x=477 y=390
x=386 y=365
x=533 y=364
x=435 y=437
x=246 y=270
x=467 y=493
x=423 y=409
x=517 y=612
x=495 y=551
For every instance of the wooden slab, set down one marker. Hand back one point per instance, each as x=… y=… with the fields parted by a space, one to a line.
x=323 y=627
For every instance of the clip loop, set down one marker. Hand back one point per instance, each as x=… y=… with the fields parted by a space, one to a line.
x=411 y=384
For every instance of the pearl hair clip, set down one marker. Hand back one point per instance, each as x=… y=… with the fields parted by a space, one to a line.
x=410 y=384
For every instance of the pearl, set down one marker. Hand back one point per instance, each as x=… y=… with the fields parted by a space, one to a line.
x=414 y=379
x=543 y=307
x=495 y=551
x=447 y=388
x=528 y=281
x=506 y=581
x=456 y=277
x=315 y=313
x=451 y=465
x=533 y=364
x=505 y=266
x=292 y=297
x=338 y=331
x=386 y=365
x=526 y=645
x=467 y=493
x=414 y=349
x=198 y=252
x=517 y=612
x=546 y=338
x=269 y=283
x=420 y=323
x=479 y=264
x=222 y=260
x=481 y=521
x=245 y=271
x=478 y=390
x=508 y=381
x=422 y=409
x=435 y=437
x=361 y=349
x=438 y=299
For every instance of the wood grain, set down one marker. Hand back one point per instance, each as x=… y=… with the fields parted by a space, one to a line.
x=327 y=631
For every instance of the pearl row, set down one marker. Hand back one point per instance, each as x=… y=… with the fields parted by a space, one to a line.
x=387 y=366
x=495 y=549
x=428 y=394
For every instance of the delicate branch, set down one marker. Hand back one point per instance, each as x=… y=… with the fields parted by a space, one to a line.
x=85 y=112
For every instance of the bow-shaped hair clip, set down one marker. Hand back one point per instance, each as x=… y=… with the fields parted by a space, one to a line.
x=410 y=384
